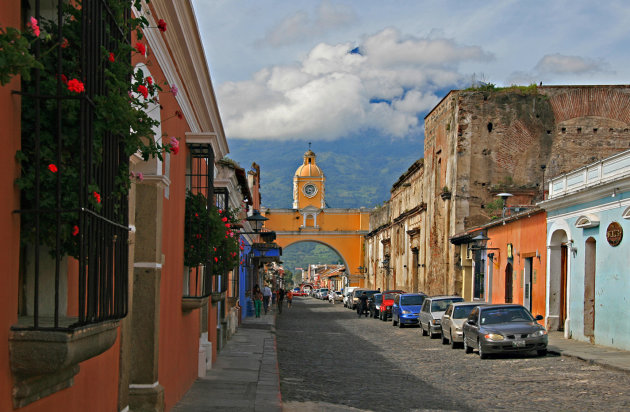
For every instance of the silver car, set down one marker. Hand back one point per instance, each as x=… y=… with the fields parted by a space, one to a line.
x=453 y=319
x=431 y=313
x=504 y=328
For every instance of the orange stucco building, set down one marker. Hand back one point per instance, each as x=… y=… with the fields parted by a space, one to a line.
x=505 y=261
x=311 y=221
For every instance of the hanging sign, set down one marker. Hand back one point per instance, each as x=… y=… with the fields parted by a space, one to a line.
x=614 y=234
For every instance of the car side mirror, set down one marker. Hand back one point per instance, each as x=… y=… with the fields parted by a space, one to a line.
x=539 y=317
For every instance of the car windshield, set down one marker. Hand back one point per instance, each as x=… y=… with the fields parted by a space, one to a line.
x=505 y=315
x=324 y=290
x=462 y=312
x=371 y=293
x=378 y=298
x=411 y=300
x=442 y=304
x=389 y=296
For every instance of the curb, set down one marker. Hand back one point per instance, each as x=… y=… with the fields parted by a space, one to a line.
x=597 y=362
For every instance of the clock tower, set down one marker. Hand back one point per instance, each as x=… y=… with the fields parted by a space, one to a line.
x=308 y=184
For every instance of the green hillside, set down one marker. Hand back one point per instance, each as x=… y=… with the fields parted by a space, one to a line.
x=359 y=171
x=303 y=254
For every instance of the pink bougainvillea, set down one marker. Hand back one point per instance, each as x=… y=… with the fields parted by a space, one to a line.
x=33 y=24
x=174 y=143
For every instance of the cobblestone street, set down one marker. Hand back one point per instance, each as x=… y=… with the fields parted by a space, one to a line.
x=327 y=355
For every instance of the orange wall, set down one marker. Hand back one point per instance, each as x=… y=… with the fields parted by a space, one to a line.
x=527 y=235
x=9 y=222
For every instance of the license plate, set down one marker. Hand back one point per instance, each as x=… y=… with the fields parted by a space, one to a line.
x=518 y=343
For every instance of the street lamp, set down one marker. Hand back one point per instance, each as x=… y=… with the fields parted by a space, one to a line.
x=504 y=197
x=257 y=221
x=385 y=265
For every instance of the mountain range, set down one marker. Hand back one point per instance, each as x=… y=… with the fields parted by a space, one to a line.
x=359 y=170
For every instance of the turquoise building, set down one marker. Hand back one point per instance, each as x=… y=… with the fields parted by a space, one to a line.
x=588 y=260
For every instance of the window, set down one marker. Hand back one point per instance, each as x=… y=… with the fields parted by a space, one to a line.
x=78 y=212
x=199 y=181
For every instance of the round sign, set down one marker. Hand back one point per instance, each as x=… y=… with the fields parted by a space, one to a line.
x=614 y=234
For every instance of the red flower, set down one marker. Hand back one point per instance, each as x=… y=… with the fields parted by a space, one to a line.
x=65 y=43
x=76 y=86
x=196 y=215
x=64 y=79
x=174 y=143
x=220 y=211
x=227 y=225
x=216 y=260
x=141 y=48
x=52 y=168
x=224 y=219
x=161 y=25
x=75 y=230
x=143 y=90
x=149 y=80
x=215 y=249
x=111 y=57
x=97 y=197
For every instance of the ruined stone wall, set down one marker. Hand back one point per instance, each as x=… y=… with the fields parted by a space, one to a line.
x=478 y=143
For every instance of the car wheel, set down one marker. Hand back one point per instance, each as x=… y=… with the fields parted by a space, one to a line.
x=482 y=354
x=453 y=344
x=424 y=332
x=444 y=338
x=400 y=324
x=467 y=348
x=542 y=352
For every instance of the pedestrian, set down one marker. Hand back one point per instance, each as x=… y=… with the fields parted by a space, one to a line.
x=258 y=298
x=266 y=297
x=280 y=299
x=289 y=298
x=362 y=305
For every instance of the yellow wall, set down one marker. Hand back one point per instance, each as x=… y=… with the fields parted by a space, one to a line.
x=340 y=229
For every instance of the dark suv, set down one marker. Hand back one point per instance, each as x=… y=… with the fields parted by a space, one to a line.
x=374 y=304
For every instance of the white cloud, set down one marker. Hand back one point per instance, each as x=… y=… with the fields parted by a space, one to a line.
x=561 y=64
x=332 y=93
x=300 y=25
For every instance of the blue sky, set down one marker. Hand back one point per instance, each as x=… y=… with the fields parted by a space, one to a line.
x=283 y=69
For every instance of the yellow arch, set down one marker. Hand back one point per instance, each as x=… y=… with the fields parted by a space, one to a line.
x=340 y=229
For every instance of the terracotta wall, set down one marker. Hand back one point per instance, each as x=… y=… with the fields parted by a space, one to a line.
x=9 y=222
x=528 y=237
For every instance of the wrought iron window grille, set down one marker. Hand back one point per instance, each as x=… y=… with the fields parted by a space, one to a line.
x=99 y=238
x=199 y=180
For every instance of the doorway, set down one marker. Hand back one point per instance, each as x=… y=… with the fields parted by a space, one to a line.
x=589 y=288
x=508 y=283
x=527 y=283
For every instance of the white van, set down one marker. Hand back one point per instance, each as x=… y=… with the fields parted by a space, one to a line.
x=346 y=292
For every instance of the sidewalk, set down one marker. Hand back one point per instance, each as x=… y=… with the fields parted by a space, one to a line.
x=244 y=376
x=603 y=356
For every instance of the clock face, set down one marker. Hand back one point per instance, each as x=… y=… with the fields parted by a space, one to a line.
x=309 y=190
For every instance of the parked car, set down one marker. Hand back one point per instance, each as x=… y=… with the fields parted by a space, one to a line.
x=335 y=296
x=374 y=304
x=370 y=294
x=353 y=298
x=385 y=309
x=406 y=308
x=346 y=293
x=315 y=293
x=453 y=320
x=323 y=294
x=505 y=328
x=431 y=313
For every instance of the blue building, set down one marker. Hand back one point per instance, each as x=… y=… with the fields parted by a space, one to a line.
x=588 y=260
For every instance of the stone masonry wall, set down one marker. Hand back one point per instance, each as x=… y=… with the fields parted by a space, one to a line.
x=480 y=142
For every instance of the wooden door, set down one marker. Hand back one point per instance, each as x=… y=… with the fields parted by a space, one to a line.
x=563 y=286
